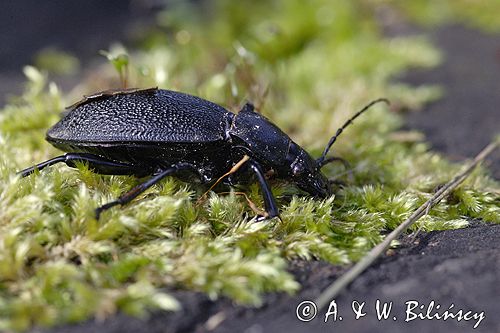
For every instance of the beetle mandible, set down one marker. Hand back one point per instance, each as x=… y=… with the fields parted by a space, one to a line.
x=159 y=132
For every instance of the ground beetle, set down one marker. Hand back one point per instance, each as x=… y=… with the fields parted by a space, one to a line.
x=160 y=132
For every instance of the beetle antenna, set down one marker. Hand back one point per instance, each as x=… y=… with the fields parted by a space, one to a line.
x=321 y=161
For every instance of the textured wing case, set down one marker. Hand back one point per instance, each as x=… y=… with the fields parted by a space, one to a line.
x=149 y=115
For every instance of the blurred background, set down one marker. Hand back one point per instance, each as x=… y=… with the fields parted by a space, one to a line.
x=33 y=31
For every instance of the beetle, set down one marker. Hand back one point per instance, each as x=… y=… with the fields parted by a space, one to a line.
x=159 y=133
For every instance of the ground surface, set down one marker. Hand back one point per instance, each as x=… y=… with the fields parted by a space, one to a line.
x=459 y=266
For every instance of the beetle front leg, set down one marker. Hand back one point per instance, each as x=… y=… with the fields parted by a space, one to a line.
x=134 y=192
x=269 y=201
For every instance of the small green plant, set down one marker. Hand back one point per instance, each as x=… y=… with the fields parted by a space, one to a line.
x=120 y=61
x=309 y=66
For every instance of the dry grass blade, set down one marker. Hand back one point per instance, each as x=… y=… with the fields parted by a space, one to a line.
x=230 y=172
x=335 y=288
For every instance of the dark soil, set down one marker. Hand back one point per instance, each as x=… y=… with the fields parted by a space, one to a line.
x=459 y=266
x=81 y=28
x=468 y=117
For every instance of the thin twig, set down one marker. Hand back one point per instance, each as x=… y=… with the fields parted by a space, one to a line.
x=334 y=289
x=230 y=172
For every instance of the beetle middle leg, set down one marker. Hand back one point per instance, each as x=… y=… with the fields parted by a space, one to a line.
x=269 y=201
x=134 y=192
x=99 y=164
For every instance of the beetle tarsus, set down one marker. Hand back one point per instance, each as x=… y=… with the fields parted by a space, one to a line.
x=28 y=171
x=107 y=206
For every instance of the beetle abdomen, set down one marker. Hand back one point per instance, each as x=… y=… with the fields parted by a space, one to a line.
x=150 y=157
x=150 y=115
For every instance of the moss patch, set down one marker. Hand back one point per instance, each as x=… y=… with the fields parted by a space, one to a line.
x=478 y=14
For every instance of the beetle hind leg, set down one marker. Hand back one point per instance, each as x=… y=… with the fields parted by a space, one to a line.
x=97 y=163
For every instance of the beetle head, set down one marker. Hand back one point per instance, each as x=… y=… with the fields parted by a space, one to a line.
x=305 y=172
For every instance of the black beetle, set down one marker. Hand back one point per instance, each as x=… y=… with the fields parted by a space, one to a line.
x=161 y=132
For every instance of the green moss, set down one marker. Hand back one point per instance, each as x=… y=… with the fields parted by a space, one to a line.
x=308 y=66
x=55 y=61
x=478 y=14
